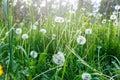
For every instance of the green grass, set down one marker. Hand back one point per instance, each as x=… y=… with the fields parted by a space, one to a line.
x=103 y=64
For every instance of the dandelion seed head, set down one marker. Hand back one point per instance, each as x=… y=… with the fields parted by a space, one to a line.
x=79 y=32
x=18 y=31
x=21 y=24
x=59 y=19
x=117 y=7
x=86 y=76
x=59 y=58
x=116 y=23
x=36 y=23
x=7 y=33
x=113 y=17
x=83 y=9
x=43 y=31
x=81 y=40
x=88 y=31
x=25 y=36
x=99 y=47
x=33 y=27
x=103 y=21
x=53 y=36
x=33 y=54
x=114 y=13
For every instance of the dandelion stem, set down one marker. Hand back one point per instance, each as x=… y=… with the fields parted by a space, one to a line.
x=46 y=71
x=98 y=58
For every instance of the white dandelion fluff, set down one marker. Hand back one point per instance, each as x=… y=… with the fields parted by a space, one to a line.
x=114 y=13
x=15 y=2
x=116 y=23
x=25 y=36
x=83 y=9
x=33 y=27
x=59 y=58
x=18 y=31
x=21 y=24
x=99 y=47
x=81 y=40
x=103 y=21
x=43 y=31
x=7 y=33
x=53 y=36
x=33 y=54
x=113 y=17
x=79 y=32
x=59 y=19
x=86 y=76
x=88 y=31
x=36 y=23
x=71 y=12
x=117 y=7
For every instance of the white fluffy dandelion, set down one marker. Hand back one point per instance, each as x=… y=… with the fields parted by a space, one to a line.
x=36 y=23
x=15 y=2
x=81 y=40
x=117 y=7
x=86 y=76
x=33 y=27
x=21 y=24
x=25 y=36
x=59 y=58
x=103 y=21
x=114 y=13
x=79 y=32
x=99 y=47
x=59 y=19
x=83 y=9
x=18 y=31
x=43 y=31
x=116 y=23
x=33 y=54
x=88 y=31
x=53 y=36
x=7 y=33
x=113 y=17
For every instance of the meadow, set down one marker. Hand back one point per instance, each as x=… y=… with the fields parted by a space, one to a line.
x=76 y=46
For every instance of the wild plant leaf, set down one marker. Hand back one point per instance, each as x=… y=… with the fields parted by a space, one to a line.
x=45 y=77
x=5 y=8
x=42 y=57
x=3 y=45
x=116 y=65
x=95 y=78
x=25 y=53
x=0 y=1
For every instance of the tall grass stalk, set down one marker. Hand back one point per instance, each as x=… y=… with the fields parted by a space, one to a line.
x=6 y=12
x=46 y=71
x=86 y=64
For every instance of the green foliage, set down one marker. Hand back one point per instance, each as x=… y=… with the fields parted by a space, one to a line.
x=78 y=58
x=107 y=6
x=0 y=1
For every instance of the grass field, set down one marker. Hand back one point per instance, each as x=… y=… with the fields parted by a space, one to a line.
x=73 y=47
